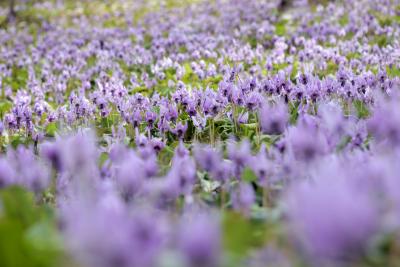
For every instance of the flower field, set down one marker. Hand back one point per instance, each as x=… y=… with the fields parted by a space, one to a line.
x=200 y=133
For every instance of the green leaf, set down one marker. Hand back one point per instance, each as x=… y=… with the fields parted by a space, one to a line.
x=295 y=70
x=344 y=20
x=148 y=40
x=280 y=28
x=240 y=235
x=17 y=204
x=293 y=111
x=12 y=249
x=28 y=232
x=361 y=109
x=16 y=140
x=5 y=106
x=393 y=72
x=44 y=236
x=248 y=175
x=251 y=126
x=103 y=158
x=51 y=129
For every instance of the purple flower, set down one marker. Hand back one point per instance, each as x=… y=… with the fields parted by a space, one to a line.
x=183 y=174
x=150 y=118
x=198 y=248
x=207 y=157
x=223 y=171
x=273 y=119
x=262 y=167
x=141 y=140
x=385 y=122
x=253 y=101
x=30 y=170
x=306 y=141
x=7 y=173
x=136 y=118
x=243 y=197
x=157 y=144
x=331 y=217
x=239 y=153
x=105 y=234
x=269 y=256
x=129 y=175
x=180 y=130
x=51 y=152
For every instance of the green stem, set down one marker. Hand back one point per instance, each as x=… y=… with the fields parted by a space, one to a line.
x=211 y=127
x=258 y=130
x=234 y=119
x=265 y=196
x=223 y=198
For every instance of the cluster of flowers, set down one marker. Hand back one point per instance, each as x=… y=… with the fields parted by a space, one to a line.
x=107 y=211
x=100 y=72
x=312 y=96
